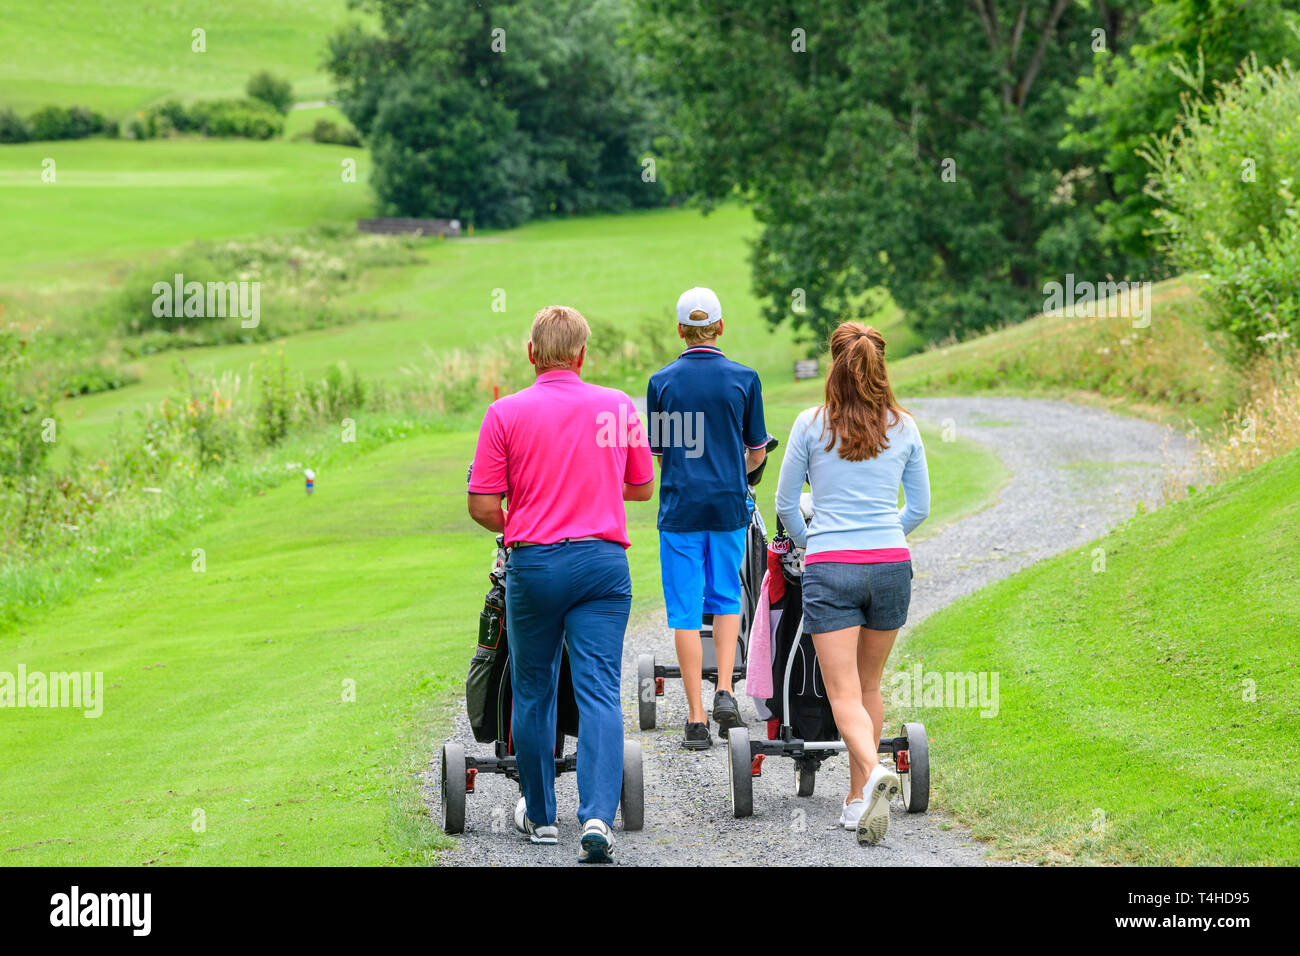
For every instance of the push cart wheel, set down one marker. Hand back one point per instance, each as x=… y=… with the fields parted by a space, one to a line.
x=632 y=799
x=805 y=779
x=645 y=691
x=916 y=782
x=738 y=769
x=453 y=788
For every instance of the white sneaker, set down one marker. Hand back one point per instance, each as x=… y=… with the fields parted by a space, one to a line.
x=881 y=787
x=597 y=842
x=547 y=835
x=852 y=813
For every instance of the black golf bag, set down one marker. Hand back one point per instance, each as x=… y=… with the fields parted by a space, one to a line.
x=796 y=673
x=488 y=697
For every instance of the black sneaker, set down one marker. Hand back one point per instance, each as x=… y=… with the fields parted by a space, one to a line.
x=725 y=713
x=697 y=737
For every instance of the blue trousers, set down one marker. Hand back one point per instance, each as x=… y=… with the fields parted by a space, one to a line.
x=579 y=593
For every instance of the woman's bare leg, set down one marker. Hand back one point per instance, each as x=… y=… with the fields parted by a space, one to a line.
x=837 y=651
x=873 y=651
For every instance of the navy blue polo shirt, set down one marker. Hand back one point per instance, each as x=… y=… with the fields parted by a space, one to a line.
x=702 y=412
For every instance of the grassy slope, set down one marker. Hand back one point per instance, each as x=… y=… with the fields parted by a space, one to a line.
x=118 y=55
x=1173 y=371
x=619 y=269
x=1123 y=692
x=224 y=689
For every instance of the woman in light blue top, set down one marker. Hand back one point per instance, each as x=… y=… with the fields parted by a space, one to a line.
x=855 y=451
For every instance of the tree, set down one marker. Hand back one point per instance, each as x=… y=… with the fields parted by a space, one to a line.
x=886 y=143
x=497 y=112
x=271 y=90
x=1131 y=96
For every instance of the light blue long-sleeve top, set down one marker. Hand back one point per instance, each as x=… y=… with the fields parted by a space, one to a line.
x=855 y=503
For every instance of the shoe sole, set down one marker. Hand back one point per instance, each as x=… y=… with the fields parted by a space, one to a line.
x=873 y=826
x=726 y=722
x=697 y=744
x=595 y=849
x=543 y=840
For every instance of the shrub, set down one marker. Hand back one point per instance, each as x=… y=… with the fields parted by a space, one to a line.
x=23 y=412
x=327 y=131
x=57 y=122
x=249 y=118
x=271 y=90
x=252 y=119
x=1225 y=178
x=13 y=128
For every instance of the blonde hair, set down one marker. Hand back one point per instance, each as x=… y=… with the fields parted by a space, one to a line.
x=559 y=334
x=695 y=334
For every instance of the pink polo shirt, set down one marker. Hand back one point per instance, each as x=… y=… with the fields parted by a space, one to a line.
x=560 y=451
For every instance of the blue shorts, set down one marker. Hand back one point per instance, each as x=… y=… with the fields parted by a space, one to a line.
x=701 y=574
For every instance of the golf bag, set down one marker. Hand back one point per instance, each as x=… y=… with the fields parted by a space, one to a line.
x=488 y=696
x=796 y=673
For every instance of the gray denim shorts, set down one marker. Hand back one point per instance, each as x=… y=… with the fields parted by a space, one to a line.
x=837 y=595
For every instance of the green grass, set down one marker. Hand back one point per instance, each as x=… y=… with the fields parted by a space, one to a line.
x=299 y=122
x=224 y=689
x=616 y=269
x=1126 y=730
x=118 y=56
x=115 y=202
x=1175 y=371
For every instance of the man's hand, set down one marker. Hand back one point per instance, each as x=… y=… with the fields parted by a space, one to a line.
x=487 y=511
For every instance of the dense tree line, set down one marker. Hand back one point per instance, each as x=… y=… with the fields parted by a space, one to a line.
x=494 y=113
x=959 y=153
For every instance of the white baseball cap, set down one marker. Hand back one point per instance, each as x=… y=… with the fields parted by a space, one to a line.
x=698 y=299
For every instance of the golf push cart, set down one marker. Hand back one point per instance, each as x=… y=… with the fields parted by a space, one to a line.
x=800 y=723
x=489 y=701
x=650 y=674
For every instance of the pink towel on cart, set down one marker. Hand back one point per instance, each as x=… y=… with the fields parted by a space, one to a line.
x=758 y=666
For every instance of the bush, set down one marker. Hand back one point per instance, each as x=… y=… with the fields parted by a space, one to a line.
x=271 y=90
x=23 y=413
x=57 y=122
x=327 y=131
x=1225 y=179
x=13 y=128
x=249 y=118
x=252 y=119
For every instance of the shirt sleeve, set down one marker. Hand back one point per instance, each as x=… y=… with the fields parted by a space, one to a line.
x=789 y=486
x=755 y=427
x=916 y=485
x=651 y=411
x=489 y=475
x=640 y=468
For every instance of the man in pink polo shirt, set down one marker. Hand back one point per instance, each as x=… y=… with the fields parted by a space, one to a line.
x=565 y=455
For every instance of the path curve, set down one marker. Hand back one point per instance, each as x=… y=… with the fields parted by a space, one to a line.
x=1075 y=472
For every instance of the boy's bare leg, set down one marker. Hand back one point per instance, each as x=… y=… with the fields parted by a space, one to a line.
x=690 y=658
x=726 y=632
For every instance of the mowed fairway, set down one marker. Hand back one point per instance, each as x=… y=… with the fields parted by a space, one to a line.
x=224 y=689
x=115 y=203
x=117 y=56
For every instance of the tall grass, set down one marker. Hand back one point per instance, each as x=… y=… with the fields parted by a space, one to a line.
x=1265 y=427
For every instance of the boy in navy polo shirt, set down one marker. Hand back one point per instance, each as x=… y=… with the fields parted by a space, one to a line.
x=705 y=414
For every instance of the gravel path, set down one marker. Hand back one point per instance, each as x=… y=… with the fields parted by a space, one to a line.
x=1074 y=473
